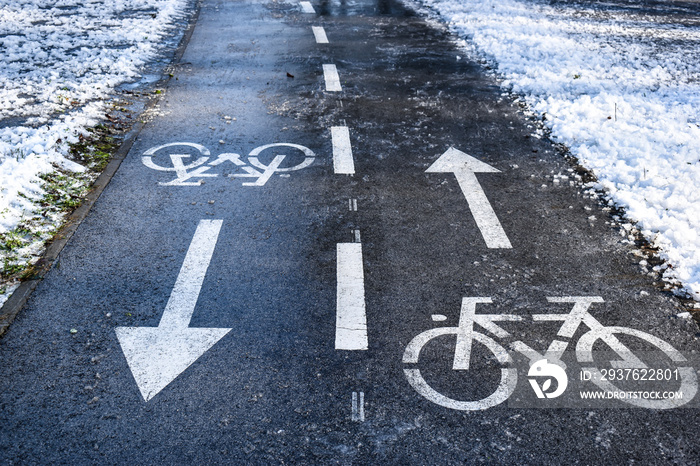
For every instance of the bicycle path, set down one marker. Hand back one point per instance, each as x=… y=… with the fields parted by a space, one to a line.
x=321 y=183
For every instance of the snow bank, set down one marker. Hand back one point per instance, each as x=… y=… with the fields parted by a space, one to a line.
x=59 y=60
x=622 y=90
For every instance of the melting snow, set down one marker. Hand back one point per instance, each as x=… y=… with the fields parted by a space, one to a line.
x=59 y=61
x=621 y=89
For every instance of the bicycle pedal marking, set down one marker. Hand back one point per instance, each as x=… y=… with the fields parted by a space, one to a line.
x=193 y=172
x=464 y=334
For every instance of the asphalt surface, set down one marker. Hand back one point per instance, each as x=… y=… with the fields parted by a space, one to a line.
x=274 y=389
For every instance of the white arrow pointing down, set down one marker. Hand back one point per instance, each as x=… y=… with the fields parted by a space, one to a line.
x=157 y=355
x=464 y=167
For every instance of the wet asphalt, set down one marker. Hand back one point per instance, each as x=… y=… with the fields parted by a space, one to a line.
x=275 y=389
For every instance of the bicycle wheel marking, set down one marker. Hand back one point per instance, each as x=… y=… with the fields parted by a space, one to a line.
x=509 y=376
x=194 y=172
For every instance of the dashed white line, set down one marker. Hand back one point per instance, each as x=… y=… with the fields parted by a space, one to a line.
x=351 y=317
x=343 y=163
x=307 y=7
x=356 y=236
x=358 y=406
x=320 y=34
x=352 y=205
x=330 y=74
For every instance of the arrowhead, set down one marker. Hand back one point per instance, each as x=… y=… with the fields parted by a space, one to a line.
x=455 y=160
x=157 y=355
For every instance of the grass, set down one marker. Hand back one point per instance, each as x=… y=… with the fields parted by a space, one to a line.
x=16 y=154
x=11 y=266
x=63 y=192
x=11 y=241
x=95 y=150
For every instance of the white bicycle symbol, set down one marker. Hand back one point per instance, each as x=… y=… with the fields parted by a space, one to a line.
x=466 y=335
x=198 y=170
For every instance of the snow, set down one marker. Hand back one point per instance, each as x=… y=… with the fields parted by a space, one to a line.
x=620 y=86
x=60 y=61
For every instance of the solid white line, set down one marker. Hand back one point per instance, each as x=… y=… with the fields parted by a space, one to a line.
x=330 y=74
x=320 y=34
x=307 y=7
x=343 y=163
x=351 y=318
x=183 y=298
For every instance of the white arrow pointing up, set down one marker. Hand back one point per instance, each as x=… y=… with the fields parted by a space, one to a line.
x=157 y=355
x=464 y=167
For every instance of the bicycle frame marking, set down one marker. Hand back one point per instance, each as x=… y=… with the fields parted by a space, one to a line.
x=194 y=173
x=465 y=336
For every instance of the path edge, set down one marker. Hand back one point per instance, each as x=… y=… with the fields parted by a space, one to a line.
x=16 y=302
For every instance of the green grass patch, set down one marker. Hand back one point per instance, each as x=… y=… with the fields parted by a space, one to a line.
x=95 y=150
x=15 y=239
x=11 y=266
x=63 y=192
